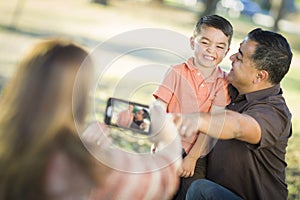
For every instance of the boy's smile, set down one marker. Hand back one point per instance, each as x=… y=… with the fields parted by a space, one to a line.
x=210 y=47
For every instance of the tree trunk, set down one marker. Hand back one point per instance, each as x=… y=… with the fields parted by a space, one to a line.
x=158 y=1
x=278 y=11
x=102 y=2
x=210 y=7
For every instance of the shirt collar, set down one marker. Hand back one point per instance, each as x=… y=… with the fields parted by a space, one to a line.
x=257 y=95
x=190 y=64
x=217 y=73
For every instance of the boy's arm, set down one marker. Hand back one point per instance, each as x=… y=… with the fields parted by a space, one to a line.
x=161 y=102
x=189 y=162
x=200 y=148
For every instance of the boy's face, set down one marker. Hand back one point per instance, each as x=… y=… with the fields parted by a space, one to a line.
x=210 y=47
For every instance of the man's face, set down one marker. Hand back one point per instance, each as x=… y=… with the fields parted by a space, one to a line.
x=139 y=115
x=210 y=47
x=243 y=71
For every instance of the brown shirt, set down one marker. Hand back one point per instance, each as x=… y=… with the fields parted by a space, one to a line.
x=255 y=171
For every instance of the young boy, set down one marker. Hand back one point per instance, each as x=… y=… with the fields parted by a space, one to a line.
x=198 y=85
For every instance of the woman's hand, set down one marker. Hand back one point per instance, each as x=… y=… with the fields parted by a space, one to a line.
x=96 y=133
x=163 y=129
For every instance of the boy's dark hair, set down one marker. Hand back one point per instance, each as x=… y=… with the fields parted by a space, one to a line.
x=272 y=53
x=217 y=22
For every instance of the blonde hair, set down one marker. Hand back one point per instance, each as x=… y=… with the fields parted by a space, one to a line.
x=36 y=110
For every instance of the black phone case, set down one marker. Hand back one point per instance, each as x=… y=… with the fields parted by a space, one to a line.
x=109 y=111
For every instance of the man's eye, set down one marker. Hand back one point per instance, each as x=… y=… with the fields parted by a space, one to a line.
x=220 y=47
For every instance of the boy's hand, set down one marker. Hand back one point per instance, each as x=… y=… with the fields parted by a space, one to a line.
x=188 y=167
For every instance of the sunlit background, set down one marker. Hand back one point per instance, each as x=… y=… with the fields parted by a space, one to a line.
x=25 y=22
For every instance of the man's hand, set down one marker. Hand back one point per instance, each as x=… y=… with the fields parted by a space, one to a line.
x=187 y=124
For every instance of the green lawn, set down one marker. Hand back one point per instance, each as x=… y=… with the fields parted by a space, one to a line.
x=291 y=86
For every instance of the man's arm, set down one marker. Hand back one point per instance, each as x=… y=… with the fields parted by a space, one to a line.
x=224 y=124
x=198 y=148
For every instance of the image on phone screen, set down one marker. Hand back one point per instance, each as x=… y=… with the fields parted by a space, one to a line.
x=128 y=115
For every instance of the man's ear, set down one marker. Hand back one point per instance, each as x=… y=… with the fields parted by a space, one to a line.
x=261 y=75
x=192 y=42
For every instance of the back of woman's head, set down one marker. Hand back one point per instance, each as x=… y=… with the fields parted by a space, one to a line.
x=41 y=91
x=37 y=104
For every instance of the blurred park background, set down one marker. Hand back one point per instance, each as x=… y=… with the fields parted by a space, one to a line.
x=90 y=22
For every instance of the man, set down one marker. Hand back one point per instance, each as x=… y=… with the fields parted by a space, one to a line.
x=139 y=120
x=248 y=161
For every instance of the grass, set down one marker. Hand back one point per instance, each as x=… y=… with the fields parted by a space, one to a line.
x=291 y=86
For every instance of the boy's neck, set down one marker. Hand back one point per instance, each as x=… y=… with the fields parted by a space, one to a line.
x=205 y=71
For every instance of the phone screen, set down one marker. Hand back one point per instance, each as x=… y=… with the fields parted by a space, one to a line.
x=128 y=115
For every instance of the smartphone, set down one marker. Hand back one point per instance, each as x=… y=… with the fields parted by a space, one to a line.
x=128 y=115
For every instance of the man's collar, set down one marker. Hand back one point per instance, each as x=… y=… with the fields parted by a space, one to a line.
x=256 y=95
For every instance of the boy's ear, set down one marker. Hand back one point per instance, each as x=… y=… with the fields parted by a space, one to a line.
x=192 y=42
x=227 y=51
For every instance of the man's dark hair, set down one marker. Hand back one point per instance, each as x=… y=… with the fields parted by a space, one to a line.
x=146 y=114
x=217 y=22
x=272 y=53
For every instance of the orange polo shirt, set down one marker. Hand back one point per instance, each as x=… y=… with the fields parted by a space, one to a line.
x=185 y=90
